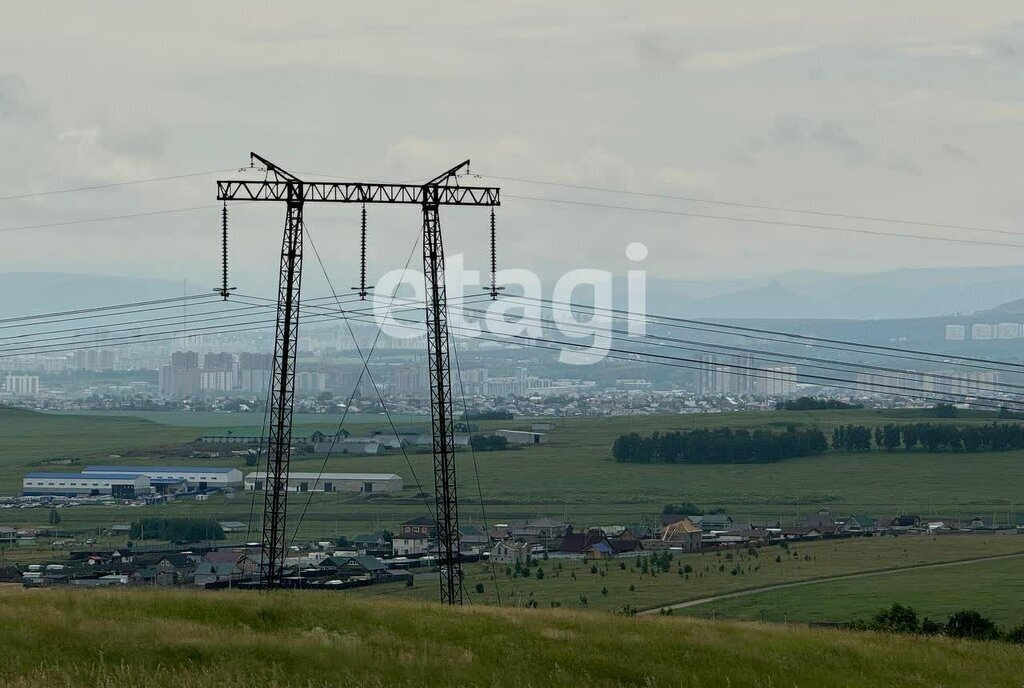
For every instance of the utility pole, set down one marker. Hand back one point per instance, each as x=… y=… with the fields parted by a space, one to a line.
x=443 y=190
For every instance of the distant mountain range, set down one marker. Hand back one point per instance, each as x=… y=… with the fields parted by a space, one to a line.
x=798 y=295
x=894 y=294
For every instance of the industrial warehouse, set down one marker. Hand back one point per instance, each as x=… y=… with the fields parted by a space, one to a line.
x=332 y=482
x=129 y=482
x=124 y=485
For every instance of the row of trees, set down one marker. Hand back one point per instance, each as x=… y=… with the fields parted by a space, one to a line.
x=721 y=445
x=487 y=414
x=966 y=623
x=177 y=529
x=483 y=443
x=933 y=437
x=814 y=404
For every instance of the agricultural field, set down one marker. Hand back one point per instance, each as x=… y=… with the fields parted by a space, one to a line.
x=612 y=585
x=615 y=584
x=125 y=638
x=993 y=587
x=572 y=477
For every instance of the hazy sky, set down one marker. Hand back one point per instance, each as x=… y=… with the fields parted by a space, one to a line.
x=910 y=110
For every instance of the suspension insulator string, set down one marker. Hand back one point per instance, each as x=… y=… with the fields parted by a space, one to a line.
x=494 y=288
x=224 y=290
x=363 y=290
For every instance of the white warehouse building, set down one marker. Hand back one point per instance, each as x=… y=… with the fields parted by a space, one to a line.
x=331 y=482
x=125 y=485
x=522 y=436
x=201 y=477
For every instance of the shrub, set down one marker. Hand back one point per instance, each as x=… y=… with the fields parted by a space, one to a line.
x=968 y=623
x=1015 y=635
x=895 y=619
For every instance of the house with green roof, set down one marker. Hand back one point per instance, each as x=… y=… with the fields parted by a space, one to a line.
x=860 y=523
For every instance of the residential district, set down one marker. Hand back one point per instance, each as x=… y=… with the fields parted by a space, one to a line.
x=410 y=551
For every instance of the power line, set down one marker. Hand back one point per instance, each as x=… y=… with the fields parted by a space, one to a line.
x=749 y=371
x=756 y=206
x=750 y=220
x=116 y=306
x=129 y=216
x=111 y=185
x=760 y=354
x=757 y=333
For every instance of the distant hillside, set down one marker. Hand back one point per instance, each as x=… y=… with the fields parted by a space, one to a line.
x=1015 y=308
x=229 y=639
x=24 y=293
x=796 y=295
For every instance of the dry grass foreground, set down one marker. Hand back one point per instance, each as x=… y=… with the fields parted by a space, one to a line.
x=64 y=638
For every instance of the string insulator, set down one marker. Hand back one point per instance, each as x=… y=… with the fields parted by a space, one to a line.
x=224 y=290
x=362 y=289
x=494 y=288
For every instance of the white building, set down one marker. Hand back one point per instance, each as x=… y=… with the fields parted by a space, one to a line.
x=955 y=333
x=201 y=477
x=981 y=331
x=522 y=436
x=1008 y=331
x=331 y=482
x=22 y=385
x=216 y=380
x=776 y=381
x=124 y=485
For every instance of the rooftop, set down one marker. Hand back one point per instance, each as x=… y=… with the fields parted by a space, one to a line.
x=330 y=476
x=83 y=476
x=145 y=470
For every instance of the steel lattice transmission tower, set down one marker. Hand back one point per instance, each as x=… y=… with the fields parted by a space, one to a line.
x=443 y=190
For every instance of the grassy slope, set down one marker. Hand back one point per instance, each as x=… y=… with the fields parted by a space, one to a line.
x=572 y=477
x=116 y=639
x=811 y=560
x=995 y=588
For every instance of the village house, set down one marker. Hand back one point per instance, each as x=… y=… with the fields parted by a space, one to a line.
x=712 y=522
x=373 y=544
x=860 y=523
x=822 y=518
x=354 y=568
x=544 y=530
x=413 y=537
x=473 y=538
x=510 y=552
x=682 y=534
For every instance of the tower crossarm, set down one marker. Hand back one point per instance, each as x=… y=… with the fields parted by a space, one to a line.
x=356 y=192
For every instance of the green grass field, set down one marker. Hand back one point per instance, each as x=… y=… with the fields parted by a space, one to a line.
x=995 y=588
x=567 y=581
x=571 y=477
x=126 y=638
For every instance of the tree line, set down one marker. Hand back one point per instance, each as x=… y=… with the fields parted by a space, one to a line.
x=177 y=529
x=966 y=623
x=814 y=404
x=721 y=445
x=932 y=437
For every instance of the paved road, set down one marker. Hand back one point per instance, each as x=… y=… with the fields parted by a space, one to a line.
x=827 y=579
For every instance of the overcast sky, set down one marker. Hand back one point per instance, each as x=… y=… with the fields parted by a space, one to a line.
x=908 y=110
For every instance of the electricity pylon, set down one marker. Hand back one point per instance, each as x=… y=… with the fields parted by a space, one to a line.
x=443 y=190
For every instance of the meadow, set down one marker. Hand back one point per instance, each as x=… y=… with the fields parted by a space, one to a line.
x=994 y=588
x=125 y=638
x=572 y=477
x=612 y=585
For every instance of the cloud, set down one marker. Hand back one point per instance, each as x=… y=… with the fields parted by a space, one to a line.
x=957 y=153
x=666 y=50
